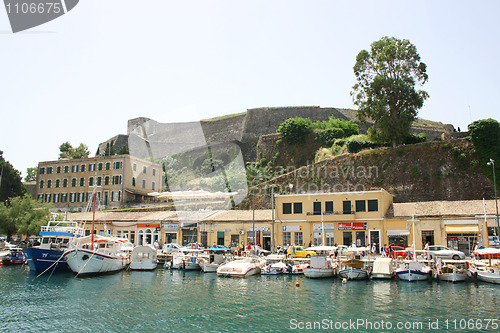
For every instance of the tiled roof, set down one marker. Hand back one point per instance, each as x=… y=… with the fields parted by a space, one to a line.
x=442 y=208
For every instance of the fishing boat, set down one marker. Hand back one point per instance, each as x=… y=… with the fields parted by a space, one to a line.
x=144 y=258
x=413 y=270
x=320 y=267
x=55 y=239
x=451 y=271
x=491 y=274
x=242 y=267
x=354 y=269
x=383 y=268
x=15 y=257
x=96 y=254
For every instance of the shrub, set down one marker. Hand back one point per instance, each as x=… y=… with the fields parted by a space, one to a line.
x=356 y=143
x=328 y=136
x=412 y=138
x=294 y=130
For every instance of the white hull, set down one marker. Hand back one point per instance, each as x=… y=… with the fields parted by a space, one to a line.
x=250 y=272
x=382 y=276
x=143 y=265
x=209 y=268
x=489 y=277
x=453 y=277
x=353 y=273
x=411 y=275
x=316 y=273
x=84 y=261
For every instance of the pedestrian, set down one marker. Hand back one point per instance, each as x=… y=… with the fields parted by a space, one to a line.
x=374 y=249
x=156 y=245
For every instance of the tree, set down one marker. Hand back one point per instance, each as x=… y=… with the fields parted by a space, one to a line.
x=485 y=134
x=22 y=215
x=10 y=180
x=31 y=174
x=386 y=90
x=67 y=151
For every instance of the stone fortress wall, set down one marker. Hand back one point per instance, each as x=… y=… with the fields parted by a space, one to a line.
x=149 y=138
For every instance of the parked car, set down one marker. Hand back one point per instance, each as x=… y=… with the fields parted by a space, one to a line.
x=299 y=252
x=443 y=252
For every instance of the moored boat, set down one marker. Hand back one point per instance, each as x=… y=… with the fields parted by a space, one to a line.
x=383 y=268
x=320 y=267
x=413 y=271
x=242 y=267
x=15 y=257
x=451 y=271
x=98 y=254
x=55 y=239
x=491 y=275
x=144 y=258
x=354 y=269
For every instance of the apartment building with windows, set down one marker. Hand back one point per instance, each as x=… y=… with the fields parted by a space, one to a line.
x=343 y=217
x=122 y=180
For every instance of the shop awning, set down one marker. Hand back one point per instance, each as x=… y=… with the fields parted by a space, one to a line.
x=462 y=229
x=398 y=232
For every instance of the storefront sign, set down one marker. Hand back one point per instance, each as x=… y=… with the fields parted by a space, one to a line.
x=352 y=226
x=227 y=230
x=327 y=226
x=148 y=226
x=260 y=228
x=292 y=228
x=171 y=227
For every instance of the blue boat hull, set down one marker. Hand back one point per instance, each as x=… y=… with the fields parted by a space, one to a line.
x=40 y=260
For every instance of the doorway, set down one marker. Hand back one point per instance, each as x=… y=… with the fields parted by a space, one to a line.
x=375 y=238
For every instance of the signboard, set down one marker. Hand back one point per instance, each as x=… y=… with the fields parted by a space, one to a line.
x=328 y=226
x=227 y=230
x=260 y=228
x=352 y=226
x=171 y=227
x=292 y=228
x=148 y=226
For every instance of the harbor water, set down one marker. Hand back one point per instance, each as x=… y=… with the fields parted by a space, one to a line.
x=177 y=301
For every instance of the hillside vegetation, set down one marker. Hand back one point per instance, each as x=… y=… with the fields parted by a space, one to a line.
x=438 y=170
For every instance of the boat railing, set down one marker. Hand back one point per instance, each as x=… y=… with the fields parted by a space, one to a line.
x=67 y=229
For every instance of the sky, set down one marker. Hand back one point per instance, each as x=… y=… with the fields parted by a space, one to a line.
x=82 y=76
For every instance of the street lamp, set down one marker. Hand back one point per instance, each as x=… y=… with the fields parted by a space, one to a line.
x=291 y=187
x=492 y=163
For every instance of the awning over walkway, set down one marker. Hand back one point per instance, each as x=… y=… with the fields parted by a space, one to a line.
x=462 y=229
x=398 y=232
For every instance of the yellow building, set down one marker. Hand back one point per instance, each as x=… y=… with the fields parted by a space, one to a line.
x=122 y=179
x=368 y=217
x=332 y=218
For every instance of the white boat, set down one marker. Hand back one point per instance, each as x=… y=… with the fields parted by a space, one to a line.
x=383 y=268
x=354 y=269
x=210 y=264
x=144 y=258
x=413 y=271
x=320 y=267
x=98 y=254
x=451 y=271
x=491 y=275
x=188 y=262
x=273 y=269
x=486 y=272
x=242 y=267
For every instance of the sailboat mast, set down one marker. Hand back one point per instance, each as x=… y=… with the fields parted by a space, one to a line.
x=323 y=228
x=93 y=218
x=413 y=232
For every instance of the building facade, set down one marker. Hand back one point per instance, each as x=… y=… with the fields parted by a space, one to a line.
x=362 y=218
x=122 y=180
